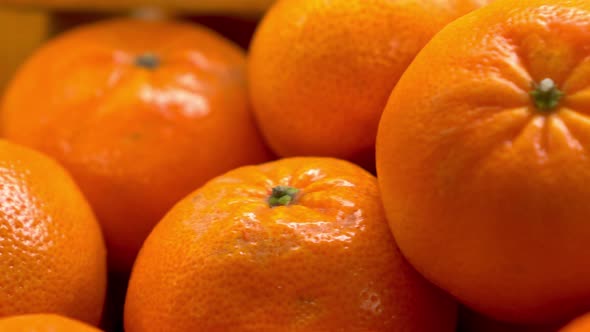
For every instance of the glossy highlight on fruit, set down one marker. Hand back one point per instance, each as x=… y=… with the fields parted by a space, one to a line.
x=229 y=257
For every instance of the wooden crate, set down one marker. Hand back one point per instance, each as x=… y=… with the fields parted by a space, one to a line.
x=241 y=7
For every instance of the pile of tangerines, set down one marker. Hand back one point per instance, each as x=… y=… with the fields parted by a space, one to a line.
x=239 y=190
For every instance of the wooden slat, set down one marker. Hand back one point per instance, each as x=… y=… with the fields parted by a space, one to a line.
x=32 y=28
x=243 y=7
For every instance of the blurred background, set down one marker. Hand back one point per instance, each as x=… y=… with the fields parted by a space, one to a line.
x=25 y=24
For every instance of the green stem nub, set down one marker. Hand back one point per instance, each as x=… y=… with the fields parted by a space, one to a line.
x=148 y=61
x=282 y=196
x=546 y=95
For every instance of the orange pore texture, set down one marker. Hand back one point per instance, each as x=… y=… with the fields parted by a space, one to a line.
x=43 y=323
x=487 y=195
x=321 y=71
x=223 y=260
x=52 y=255
x=136 y=139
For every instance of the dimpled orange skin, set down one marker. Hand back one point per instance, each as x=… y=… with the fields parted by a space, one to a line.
x=136 y=139
x=321 y=71
x=43 y=323
x=471 y=169
x=581 y=324
x=53 y=254
x=224 y=260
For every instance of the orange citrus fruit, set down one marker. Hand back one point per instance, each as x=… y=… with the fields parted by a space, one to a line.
x=43 y=323
x=321 y=71
x=141 y=113
x=482 y=158
x=581 y=324
x=299 y=244
x=52 y=255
